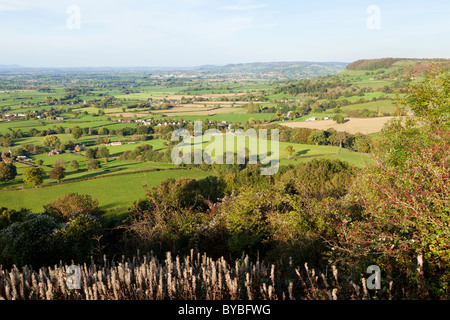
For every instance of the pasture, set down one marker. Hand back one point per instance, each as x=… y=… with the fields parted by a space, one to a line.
x=112 y=192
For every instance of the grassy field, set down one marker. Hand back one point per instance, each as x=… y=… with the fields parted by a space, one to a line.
x=377 y=106
x=302 y=152
x=113 y=193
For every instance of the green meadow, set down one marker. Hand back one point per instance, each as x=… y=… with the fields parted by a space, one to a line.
x=113 y=193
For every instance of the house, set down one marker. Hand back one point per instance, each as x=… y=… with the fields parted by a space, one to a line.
x=116 y=143
x=311 y=119
x=23 y=158
x=81 y=146
x=54 y=152
x=326 y=118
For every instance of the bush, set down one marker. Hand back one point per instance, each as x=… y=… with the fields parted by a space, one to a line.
x=28 y=242
x=172 y=213
x=8 y=216
x=93 y=164
x=76 y=240
x=72 y=205
x=39 y=239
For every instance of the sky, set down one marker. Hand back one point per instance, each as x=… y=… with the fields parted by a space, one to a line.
x=98 y=33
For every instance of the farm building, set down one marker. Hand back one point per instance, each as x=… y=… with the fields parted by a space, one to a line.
x=54 y=152
x=116 y=143
x=23 y=158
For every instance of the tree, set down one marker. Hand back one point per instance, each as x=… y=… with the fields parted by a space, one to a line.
x=77 y=132
x=103 y=152
x=39 y=162
x=290 y=150
x=57 y=173
x=74 y=164
x=339 y=118
x=77 y=240
x=103 y=131
x=93 y=164
x=430 y=98
x=318 y=137
x=51 y=142
x=8 y=172
x=340 y=137
x=33 y=176
x=59 y=163
x=252 y=108
x=6 y=141
x=72 y=205
x=362 y=143
x=91 y=153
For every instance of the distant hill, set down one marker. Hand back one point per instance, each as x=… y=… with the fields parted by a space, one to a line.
x=9 y=66
x=256 y=70
x=294 y=69
x=401 y=65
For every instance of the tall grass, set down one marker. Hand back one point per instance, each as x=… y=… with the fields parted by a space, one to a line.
x=193 y=277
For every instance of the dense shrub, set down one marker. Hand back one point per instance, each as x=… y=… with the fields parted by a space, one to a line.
x=9 y=216
x=29 y=241
x=72 y=205
x=77 y=239
x=172 y=212
x=400 y=213
x=39 y=239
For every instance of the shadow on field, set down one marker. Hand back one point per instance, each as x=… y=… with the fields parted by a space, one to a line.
x=302 y=152
x=112 y=205
x=89 y=174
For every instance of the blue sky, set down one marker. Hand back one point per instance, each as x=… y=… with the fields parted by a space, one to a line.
x=197 y=32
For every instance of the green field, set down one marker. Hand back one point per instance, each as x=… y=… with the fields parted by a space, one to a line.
x=302 y=152
x=377 y=106
x=113 y=193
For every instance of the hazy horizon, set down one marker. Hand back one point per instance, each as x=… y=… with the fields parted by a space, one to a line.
x=161 y=67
